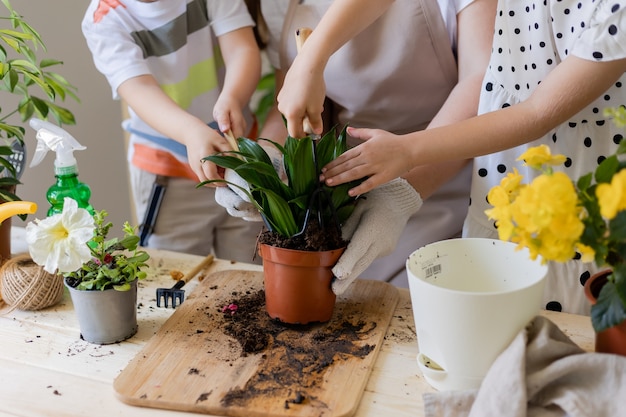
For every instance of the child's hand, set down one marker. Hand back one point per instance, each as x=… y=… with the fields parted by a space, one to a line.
x=228 y=115
x=302 y=96
x=382 y=157
x=201 y=144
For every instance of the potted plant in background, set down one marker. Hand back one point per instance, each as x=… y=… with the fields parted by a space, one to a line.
x=587 y=216
x=303 y=218
x=22 y=77
x=100 y=273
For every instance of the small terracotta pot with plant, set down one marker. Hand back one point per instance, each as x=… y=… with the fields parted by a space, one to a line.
x=302 y=216
x=558 y=218
x=101 y=273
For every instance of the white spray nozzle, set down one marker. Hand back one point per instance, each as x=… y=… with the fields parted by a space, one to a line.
x=51 y=137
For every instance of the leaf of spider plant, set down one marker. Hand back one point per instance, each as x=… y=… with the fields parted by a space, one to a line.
x=325 y=149
x=277 y=212
x=343 y=213
x=224 y=161
x=253 y=151
x=342 y=142
x=302 y=175
x=261 y=175
x=339 y=195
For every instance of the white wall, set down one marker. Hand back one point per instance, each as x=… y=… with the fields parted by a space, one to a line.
x=103 y=164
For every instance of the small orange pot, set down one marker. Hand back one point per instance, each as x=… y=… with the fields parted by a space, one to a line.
x=612 y=340
x=298 y=284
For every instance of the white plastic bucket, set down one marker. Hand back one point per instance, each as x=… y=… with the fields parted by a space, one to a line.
x=470 y=298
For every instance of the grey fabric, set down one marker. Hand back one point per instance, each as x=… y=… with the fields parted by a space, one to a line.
x=541 y=373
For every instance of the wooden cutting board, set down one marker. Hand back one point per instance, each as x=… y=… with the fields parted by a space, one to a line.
x=192 y=364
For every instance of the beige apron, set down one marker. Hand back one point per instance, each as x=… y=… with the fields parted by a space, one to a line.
x=395 y=75
x=372 y=81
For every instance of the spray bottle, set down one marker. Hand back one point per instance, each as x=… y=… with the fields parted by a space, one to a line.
x=53 y=138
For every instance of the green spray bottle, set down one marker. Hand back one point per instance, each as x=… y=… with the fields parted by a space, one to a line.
x=53 y=138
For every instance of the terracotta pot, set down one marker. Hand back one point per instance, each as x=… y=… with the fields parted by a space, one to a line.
x=297 y=284
x=612 y=340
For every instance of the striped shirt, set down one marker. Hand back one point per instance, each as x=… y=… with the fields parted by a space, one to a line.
x=175 y=41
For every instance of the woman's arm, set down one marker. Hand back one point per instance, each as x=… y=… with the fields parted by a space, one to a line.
x=304 y=90
x=243 y=71
x=474 y=38
x=570 y=87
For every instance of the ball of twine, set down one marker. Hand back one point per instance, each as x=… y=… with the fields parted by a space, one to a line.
x=27 y=286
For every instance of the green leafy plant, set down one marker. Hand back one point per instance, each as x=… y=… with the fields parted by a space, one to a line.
x=115 y=263
x=287 y=206
x=556 y=218
x=23 y=76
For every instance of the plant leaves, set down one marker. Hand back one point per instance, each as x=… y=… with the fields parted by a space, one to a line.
x=608 y=311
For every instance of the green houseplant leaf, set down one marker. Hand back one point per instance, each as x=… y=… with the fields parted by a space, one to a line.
x=287 y=206
x=32 y=82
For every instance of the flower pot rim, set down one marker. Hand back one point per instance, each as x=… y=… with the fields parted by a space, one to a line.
x=302 y=250
x=594 y=278
x=95 y=289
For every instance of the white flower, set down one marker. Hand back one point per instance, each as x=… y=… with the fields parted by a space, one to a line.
x=59 y=242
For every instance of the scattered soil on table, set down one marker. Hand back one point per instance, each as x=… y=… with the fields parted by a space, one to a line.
x=293 y=358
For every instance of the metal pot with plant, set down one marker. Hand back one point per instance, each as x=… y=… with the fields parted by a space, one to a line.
x=101 y=273
x=303 y=216
x=29 y=83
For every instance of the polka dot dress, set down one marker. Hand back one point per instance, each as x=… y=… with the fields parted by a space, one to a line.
x=531 y=38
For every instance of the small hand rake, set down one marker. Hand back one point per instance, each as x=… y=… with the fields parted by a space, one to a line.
x=176 y=293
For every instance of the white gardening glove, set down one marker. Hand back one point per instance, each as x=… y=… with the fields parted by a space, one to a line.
x=374 y=228
x=235 y=200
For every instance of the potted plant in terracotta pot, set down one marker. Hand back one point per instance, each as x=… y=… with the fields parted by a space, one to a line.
x=100 y=273
x=28 y=88
x=303 y=218
x=588 y=217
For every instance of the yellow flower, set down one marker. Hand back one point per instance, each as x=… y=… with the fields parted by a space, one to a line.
x=612 y=197
x=539 y=156
x=587 y=253
x=544 y=217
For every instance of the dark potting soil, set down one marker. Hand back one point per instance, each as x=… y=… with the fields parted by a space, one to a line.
x=293 y=357
x=314 y=238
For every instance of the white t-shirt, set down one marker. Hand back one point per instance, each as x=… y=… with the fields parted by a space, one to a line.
x=173 y=40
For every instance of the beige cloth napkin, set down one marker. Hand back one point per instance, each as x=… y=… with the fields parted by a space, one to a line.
x=541 y=373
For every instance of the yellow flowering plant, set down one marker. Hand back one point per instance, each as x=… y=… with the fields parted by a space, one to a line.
x=557 y=218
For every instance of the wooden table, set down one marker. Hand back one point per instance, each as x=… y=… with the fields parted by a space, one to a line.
x=47 y=370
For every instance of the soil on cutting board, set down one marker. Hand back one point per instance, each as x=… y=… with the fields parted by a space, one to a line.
x=293 y=359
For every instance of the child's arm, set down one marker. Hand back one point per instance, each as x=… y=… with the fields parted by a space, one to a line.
x=243 y=71
x=158 y=110
x=571 y=86
x=303 y=91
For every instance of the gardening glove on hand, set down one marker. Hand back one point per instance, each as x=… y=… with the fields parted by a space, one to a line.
x=235 y=200
x=374 y=228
